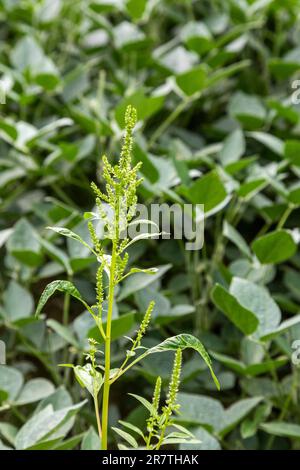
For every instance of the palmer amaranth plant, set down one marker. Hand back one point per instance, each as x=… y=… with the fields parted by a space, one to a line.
x=97 y=375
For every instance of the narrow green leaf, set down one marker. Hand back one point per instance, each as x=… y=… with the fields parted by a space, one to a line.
x=127 y=437
x=131 y=427
x=233 y=235
x=69 y=234
x=145 y=403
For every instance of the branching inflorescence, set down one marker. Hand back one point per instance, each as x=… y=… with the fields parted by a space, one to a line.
x=116 y=209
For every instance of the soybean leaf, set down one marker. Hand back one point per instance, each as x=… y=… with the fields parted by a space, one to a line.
x=251 y=370
x=237 y=412
x=292 y=151
x=24 y=245
x=11 y=381
x=233 y=148
x=90 y=440
x=208 y=190
x=275 y=247
x=272 y=142
x=193 y=80
x=284 y=326
x=63 y=331
x=248 y=109
x=206 y=441
x=258 y=300
x=199 y=409
x=57 y=254
x=243 y=318
x=119 y=327
x=34 y=390
x=68 y=444
x=43 y=425
x=18 y=302
x=281 y=428
x=145 y=106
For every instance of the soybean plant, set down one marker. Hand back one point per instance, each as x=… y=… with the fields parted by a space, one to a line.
x=116 y=207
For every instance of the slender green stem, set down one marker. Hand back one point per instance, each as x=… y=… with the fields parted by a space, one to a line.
x=96 y=405
x=148 y=441
x=122 y=371
x=66 y=308
x=162 y=436
x=18 y=414
x=66 y=313
x=285 y=406
x=62 y=195
x=285 y=216
x=106 y=386
x=166 y=123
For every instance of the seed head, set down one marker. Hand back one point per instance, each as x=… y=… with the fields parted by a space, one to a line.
x=145 y=322
x=175 y=382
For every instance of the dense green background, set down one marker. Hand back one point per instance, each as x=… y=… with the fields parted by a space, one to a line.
x=212 y=84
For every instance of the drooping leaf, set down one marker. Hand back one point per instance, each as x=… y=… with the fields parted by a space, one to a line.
x=69 y=234
x=185 y=341
x=62 y=286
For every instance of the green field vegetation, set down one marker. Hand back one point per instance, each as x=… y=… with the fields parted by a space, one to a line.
x=215 y=88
